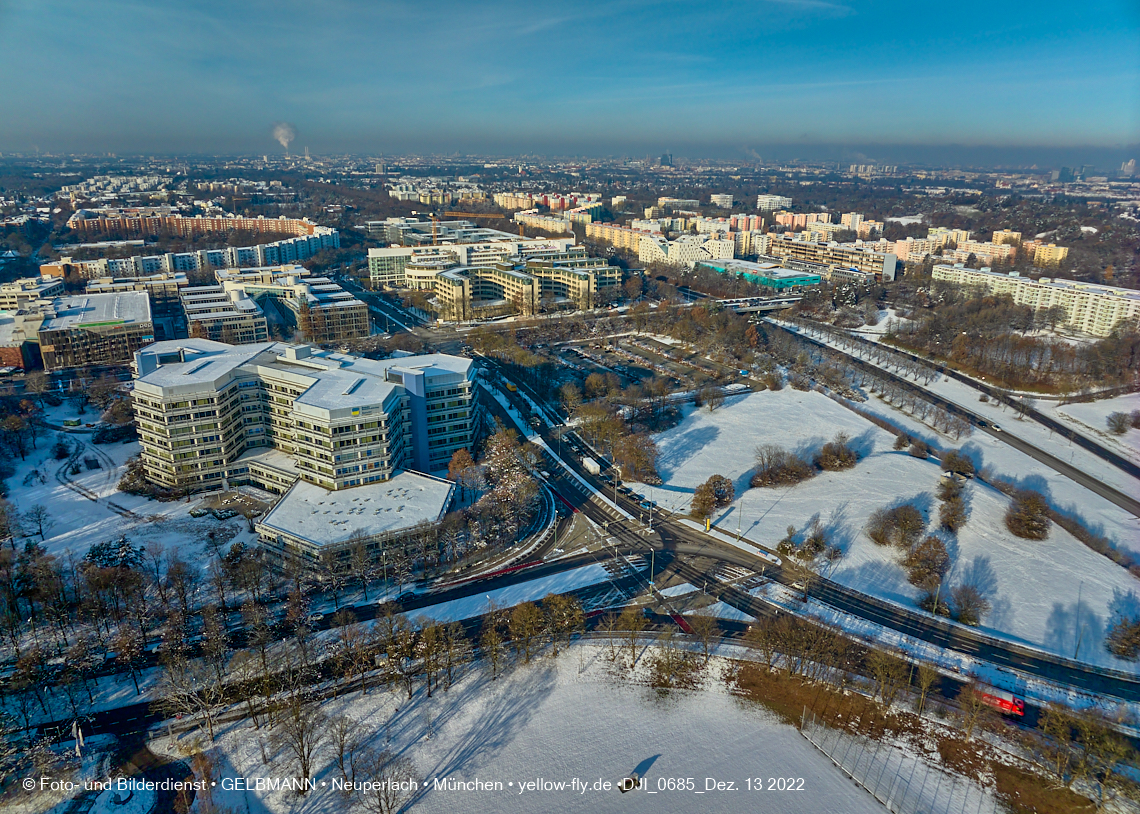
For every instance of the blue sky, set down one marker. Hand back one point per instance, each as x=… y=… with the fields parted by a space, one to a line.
x=594 y=78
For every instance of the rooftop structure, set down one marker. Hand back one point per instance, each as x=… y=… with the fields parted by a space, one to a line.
x=163 y=289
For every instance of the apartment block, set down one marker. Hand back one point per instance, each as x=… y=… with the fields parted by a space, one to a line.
x=883 y=266
x=1006 y=236
x=142 y=222
x=1089 y=308
x=770 y=203
x=724 y=201
x=801 y=220
x=291 y=250
x=685 y=250
x=532 y=218
x=1050 y=256
x=620 y=236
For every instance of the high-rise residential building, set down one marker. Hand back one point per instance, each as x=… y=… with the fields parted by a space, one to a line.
x=290 y=250
x=1007 y=237
x=1089 y=308
x=770 y=203
x=140 y=222
x=1050 y=256
x=1128 y=168
x=686 y=250
x=724 y=201
x=208 y=413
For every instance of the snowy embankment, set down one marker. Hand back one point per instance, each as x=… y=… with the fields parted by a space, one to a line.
x=1034 y=586
x=554 y=721
x=1090 y=418
x=1042 y=437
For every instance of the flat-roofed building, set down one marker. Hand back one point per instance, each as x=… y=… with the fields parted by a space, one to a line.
x=1089 y=308
x=22 y=293
x=386 y=266
x=223 y=316
x=768 y=275
x=344 y=420
x=318 y=308
x=770 y=203
x=165 y=293
x=831 y=254
x=1050 y=256
x=94 y=329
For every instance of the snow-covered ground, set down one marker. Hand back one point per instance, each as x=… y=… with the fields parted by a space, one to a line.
x=95 y=510
x=1034 y=586
x=557 y=720
x=1089 y=418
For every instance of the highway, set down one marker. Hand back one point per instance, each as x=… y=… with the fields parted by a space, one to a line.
x=683 y=541
x=1129 y=504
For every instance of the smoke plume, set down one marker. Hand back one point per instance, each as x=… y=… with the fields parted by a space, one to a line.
x=284 y=133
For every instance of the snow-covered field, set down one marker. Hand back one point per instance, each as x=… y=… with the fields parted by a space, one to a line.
x=1034 y=586
x=1089 y=418
x=95 y=510
x=557 y=720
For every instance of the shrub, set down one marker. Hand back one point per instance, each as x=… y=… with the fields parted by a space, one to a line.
x=919 y=449
x=723 y=490
x=1123 y=639
x=952 y=514
x=1118 y=423
x=1134 y=419
x=954 y=461
x=836 y=454
x=969 y=604
x=927 y=563
x=900 y=526
x=778 y=467
x=902 y=442
x=61 y=449
x=1028 y=515
x=949 y=488
x=983 y=398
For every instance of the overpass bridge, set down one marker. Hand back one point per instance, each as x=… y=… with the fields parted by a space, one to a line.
x=751 y=305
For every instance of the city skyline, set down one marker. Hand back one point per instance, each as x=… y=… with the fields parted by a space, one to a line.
x=1009 y=81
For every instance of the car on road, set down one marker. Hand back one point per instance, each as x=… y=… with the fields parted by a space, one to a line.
x=314 y=618
x=647 y=505
x=405 y=596
x=625 y=490
x=995 y=428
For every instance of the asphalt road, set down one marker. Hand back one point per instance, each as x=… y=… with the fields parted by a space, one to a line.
x=684 y=541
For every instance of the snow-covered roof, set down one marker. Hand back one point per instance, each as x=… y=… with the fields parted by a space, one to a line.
x=98 y=309
x=327 y=518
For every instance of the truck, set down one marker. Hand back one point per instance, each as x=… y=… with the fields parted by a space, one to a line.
x=511 y=387
x=591 y=466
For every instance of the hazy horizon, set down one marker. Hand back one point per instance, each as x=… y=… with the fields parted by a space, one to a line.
x=1008 y=83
